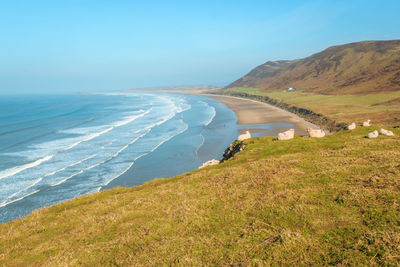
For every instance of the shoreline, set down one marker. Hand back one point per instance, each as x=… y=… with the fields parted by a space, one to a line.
x=188 y=150
x=201 y=128
x=260 y=119
x=252 y=112
x=251 y=116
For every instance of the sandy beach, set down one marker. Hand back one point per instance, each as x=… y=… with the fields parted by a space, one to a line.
x=251 y=112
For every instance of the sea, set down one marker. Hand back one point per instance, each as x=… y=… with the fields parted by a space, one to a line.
x=56 y=147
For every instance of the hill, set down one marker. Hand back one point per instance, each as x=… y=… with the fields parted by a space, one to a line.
x=340 y=85
x=174 y=87
x=306 y=201
x=355 y=68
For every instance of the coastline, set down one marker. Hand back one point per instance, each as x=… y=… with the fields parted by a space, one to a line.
x=259 y=118
x=234 y=115
x=250 y=112
x=187 y=151
x=259 y=185
x=181 y=133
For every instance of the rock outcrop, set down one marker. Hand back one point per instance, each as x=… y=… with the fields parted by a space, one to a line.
x=234 y=148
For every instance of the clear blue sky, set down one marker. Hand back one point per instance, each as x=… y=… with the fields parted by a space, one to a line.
x=73 y=45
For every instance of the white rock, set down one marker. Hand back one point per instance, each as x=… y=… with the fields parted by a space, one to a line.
x=386 y=132
x=315 y=132
x=351 y=126
x=374 y=134
x=245 y=136
x=289 y=134
x=366 y=123
x=209 y=163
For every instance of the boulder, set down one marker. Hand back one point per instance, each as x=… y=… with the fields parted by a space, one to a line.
x=373 y=134
x=209 y=163
x=289 y=134
x=366 y=123
x=315 y=132
x=386 y=132
x=245 y=136
x=351 y=126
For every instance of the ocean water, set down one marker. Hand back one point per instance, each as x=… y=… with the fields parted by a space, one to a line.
x=54 y=148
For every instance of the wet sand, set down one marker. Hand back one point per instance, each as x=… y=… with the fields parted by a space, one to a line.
x=252 y=112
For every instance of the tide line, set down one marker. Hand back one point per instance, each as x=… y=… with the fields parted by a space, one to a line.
x=202 y=143
x=212 y=117
x=4 y=203
x=18 y=199
x=18 y=169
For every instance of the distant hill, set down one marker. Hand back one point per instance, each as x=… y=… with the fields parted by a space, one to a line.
x=176 y=87
x=355 y=68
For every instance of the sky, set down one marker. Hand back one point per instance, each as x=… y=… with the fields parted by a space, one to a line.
x=97 y=45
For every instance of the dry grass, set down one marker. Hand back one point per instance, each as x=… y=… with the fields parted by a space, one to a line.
x=305 y=201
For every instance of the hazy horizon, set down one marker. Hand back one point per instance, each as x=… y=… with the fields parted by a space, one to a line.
x=71 y=46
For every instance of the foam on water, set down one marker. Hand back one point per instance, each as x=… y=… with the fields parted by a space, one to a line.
x=214 y=112
x=210 y=113
x=152 y=150
x=37 y=181
x=18 y=199
x=130 y=119
x=18 y=169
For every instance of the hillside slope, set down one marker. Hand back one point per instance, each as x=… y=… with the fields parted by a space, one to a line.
x=333 y=200
x=356 y=68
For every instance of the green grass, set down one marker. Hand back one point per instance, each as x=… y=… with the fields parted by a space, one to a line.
x=344 y=108
x=333 y=200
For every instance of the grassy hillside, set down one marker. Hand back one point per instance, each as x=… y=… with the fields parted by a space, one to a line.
x=356 y=68
x=305 y=201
